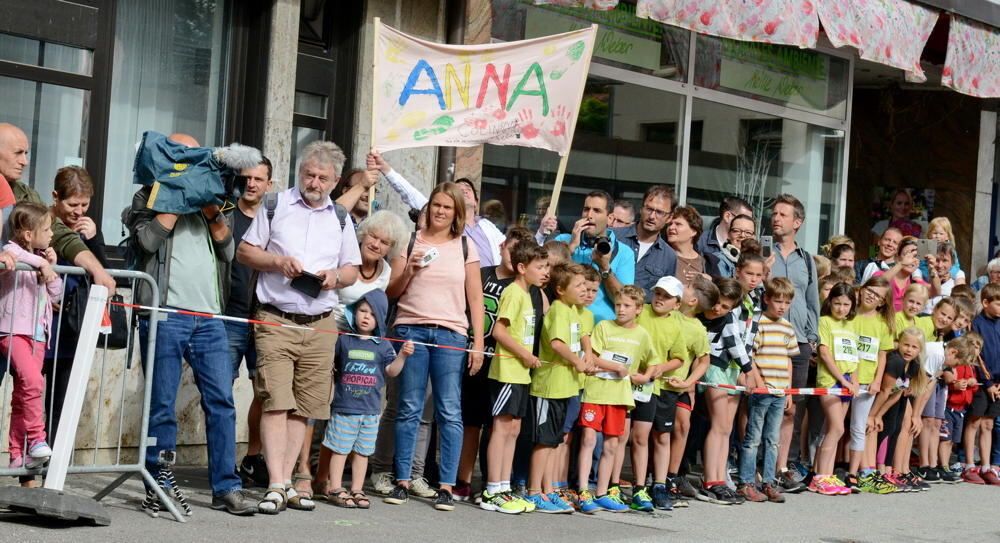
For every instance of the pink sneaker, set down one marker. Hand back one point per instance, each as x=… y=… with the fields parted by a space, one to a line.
x=841 y=487
x=16 y=462
x=823 y=484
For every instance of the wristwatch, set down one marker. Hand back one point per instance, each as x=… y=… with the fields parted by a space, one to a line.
x=605 y=273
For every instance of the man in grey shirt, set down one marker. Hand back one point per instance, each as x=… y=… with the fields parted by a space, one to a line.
x=796 y=264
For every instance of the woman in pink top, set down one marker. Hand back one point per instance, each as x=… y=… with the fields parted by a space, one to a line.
x=438 y=281
x=900 y=274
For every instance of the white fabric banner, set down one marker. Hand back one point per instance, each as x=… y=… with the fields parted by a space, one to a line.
x=523 y=93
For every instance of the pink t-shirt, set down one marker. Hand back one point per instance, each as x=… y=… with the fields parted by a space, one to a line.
x=436 y=293
x=897 y=292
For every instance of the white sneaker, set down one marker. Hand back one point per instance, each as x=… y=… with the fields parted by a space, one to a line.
x=420 y=488
x=382 y=482
x=39 y=454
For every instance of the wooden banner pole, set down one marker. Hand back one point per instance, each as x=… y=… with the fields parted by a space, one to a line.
x=376 y=23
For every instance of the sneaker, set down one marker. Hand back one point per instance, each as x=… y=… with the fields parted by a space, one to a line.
x=641 y=500
x=512 y=495
x=38 y=455
x=873 y=484
x=462 y=492
x=253 y=471
x=542 y=503
x=842 y=487
x=773 y=493
x=948 y=476
x=971 y=475
x=560 y=503
x=799 y=470
x=443 y=501
x=719 y=494
x=901 y=484
x=611 y=503
x=927 y=473
x=16 y=463
x=421 y=489
x=674 y=492
x=987 y=474
x=851 y=482
x=236 y=503
x=915 y=481
x=750 y=492
x=500 y=503
x=616 y=491
x=824 y=485
x=661 y=497
x=382 y=482
x=569 y=496
x=786 y=480
x=398 y=496
x=685 y=487
x=588 y=504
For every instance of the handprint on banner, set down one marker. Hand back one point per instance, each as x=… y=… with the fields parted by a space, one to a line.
x=439 y=126
x=392 y=51
x=477 y=124
x=496 y=112
x=527 y=124
x=573 y=54
x=562 y=115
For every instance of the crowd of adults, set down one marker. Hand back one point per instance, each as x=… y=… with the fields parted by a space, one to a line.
x=255 y=247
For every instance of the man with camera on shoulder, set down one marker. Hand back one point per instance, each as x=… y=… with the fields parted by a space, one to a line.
x=593 y=243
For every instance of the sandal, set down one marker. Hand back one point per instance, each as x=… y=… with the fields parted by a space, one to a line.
x=361 y=499
x=275 y=496
x=321 y=489
x=341 y=498
x=301 y=500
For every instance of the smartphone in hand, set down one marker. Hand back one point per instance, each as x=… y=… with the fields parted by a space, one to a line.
x=766 y=246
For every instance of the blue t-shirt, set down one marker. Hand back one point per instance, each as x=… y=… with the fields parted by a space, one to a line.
x=622 y=265
x=361 y=367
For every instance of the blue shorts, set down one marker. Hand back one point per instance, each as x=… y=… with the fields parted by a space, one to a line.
x=954 y=422
x=572 y=413
x=241 y=346
x=716 y=375
x=346 y=433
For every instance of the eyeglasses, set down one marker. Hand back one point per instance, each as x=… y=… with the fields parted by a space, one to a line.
x=873 y=292
x=655 y=212
x=742 y=233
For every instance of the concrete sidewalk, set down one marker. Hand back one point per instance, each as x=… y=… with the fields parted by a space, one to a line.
x=947 y=512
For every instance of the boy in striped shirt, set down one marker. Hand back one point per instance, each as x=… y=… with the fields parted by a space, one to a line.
x=774 y=346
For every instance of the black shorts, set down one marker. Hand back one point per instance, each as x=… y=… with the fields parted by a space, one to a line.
x=666 y=408
x=509 y=399
x=644 y=411
x=573 y=406
x=476 y=398
x=982 y=405
x=547 y=419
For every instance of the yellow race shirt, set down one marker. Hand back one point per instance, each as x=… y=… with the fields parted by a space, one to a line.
x=839 y=337
x=873 y=336
x=558 y=378
x=665 y=333
x=629 y=346
x=517 y=310
x=691 y=344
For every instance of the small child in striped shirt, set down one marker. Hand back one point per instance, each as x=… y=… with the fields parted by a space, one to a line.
x=774 y=346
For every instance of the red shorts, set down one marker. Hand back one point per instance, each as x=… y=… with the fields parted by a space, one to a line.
x=607 y=419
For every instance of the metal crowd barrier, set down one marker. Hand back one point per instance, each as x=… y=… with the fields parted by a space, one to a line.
x=111 y=409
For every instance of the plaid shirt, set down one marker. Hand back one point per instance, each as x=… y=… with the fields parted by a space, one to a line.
x=725 y=340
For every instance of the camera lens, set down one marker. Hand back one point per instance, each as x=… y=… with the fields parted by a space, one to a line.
x=603 y=246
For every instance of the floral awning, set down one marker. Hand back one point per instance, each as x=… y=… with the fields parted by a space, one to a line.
x=972 y=65
x=589 y=4
x=788 y=22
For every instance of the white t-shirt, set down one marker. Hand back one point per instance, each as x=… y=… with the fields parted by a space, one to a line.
x=643 y=249
x=945 y=291
x=933 y=357
x=348 y=295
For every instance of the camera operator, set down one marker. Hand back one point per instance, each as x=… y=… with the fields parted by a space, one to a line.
x=593 y=243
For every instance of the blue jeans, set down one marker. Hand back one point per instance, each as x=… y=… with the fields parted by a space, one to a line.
x=995 y=448
x=241 y=345
x=197 y=340
x=764 y=415
x=444 y=367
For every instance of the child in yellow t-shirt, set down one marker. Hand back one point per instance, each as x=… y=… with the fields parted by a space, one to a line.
x=914 y=301
x=622 y=349
x=510 y=374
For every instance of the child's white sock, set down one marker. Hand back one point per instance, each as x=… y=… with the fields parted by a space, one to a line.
x=504 y=486
x=493 y=488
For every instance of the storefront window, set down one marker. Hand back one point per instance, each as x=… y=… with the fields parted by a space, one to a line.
x=169 y=76
x=623 y=40
x=756 y=156
x=627 y=138
x=46 y=54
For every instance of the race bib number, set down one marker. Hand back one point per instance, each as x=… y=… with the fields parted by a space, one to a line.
x=613 y=357
x=529 y=330
x=574 y=339
x=844 y=350
x=642 y=393
x=868 y=348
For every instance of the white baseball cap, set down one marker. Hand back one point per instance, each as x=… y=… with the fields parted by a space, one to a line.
x=671 y=285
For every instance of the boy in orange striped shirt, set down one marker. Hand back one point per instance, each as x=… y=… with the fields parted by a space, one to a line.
x=774 y=346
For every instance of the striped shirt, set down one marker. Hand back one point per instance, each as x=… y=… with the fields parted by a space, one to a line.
x=774 y=346
x=726 y=341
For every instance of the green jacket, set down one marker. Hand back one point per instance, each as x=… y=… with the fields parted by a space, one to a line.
x=66 y=242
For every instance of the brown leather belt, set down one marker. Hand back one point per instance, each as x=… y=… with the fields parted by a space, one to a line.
x=297 y=318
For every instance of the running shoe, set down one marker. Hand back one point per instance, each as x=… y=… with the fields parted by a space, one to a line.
x=570 y=496
x=788 y=482
x=16 y=462
x=661 y=497
x=674 y=493
x=587 y=503
x=773 y=493
x=873 y=484
x=560 y=503
x=915 y=481
x=988 y=475
x=851 y=482
x=684 y=486
x=641 y=500
x=462 y=492
x=719 y=494
x=948 y=476
x=500 y=503
x=751 y=493
x=825 y=485
x=253 y=471
x=616 y=491
x=398 y=496
x=382 y=481
x=38 y=454
x=927 y=473
x=611 y=503
x=971 y=475
x=542 y=503
x=843 y=490
x=901 y=484
x=512 y=495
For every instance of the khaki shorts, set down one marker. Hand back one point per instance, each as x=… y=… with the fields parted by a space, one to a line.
x=294 y=367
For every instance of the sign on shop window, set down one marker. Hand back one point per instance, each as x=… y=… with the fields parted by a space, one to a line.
x=610 y=44
x=794 y=76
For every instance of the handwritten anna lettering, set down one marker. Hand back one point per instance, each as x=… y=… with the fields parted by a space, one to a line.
x=423 y=79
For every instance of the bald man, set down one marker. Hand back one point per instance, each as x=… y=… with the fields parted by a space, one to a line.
x=67 y=243
x=189 y=257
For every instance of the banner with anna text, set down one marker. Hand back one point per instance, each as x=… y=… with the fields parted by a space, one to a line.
x=523 y=93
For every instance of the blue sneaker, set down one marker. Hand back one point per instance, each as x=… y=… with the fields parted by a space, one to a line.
x=542 y=504
x=661 y=497
x=641 y=500
x=588 y=504
x=556 y=501
x=611 y=503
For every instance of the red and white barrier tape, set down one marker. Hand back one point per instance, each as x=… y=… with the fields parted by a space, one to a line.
x=780 y=391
